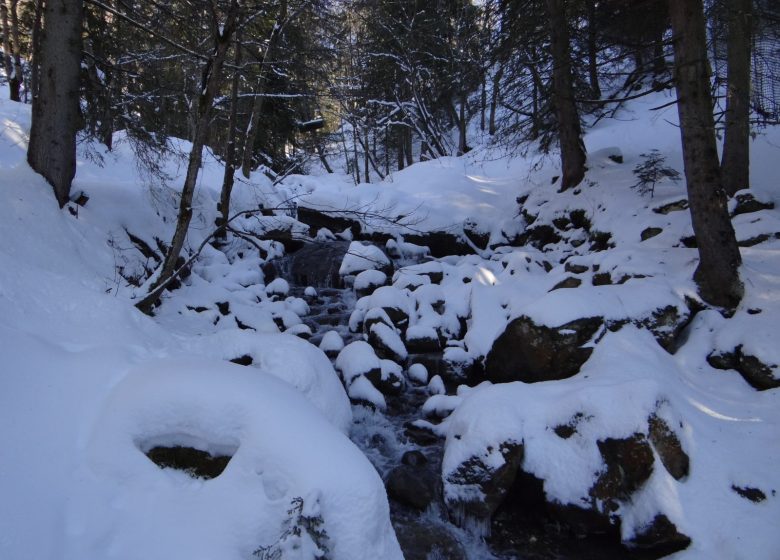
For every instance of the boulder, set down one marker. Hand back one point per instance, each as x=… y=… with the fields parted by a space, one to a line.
x=411 y=486
x=423 y=540
x=745 y=203
x=529 y=352
x=666 y=443
x=476 y=233
x=759 y=375
x=659 y=538
x=481 y=483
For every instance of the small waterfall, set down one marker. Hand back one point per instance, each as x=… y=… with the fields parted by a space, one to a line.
x=315 y=264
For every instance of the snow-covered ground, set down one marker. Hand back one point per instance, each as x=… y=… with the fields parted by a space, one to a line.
x=88 y=384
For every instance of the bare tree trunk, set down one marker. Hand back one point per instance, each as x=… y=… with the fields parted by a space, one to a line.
x=408 y=152
x=718 y=272
x=401 y=138
x=228 y=178
x=253 y=126
x=36 y=48
x=355 y=151
x=7 y=64
x=593 y=69
x=569 y=131
x=462 y=146
x=494 y=95
x=366 y=154
x=735 y=163
x=210 y=81
x=55 y=111
x=17 y=46
x=483 y=104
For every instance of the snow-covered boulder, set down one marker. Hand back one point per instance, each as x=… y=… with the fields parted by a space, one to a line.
x=278 y=287
x=331 y=344
x=368 y=281
x=357 y=358
x=362 y=257
x=271 y=473
x=386 y=342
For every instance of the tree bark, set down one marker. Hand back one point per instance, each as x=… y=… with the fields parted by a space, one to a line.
x=55 y=108
x=210 y=81
x=735 y=163
x=13 y=83
x=569 y=130
x=253 y=126
x=593 y=69
x=228 y=178
x=17 y=45
x=717 y=274
x=494 y=95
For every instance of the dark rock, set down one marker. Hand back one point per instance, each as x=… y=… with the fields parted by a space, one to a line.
x=752 y=241
x=243 y=326
x=399 y=317
x=575 y=268
x=747 y=203
x=317 y=220
x=414 y=458
x=676 y=206
x=666 y=443
x=565 y=431
x=494 y=482
x=423 y=345
x=754 y=311
x=199 y=309
x=570 y=282
x=689 y=242
x=421 y=435
x=541 y=236
x=617 y=158
x=650 y=232
x=758 y=374
x=245 y=360
x=194 y=462
x=749 y=493
x=666 y=324
x=529 y=352
x=659 y=538
x=411 y=486
x=426 y=541
x=629 y=463
x=561 y=222
x=602 y=279
x=476 y=234
x=579 y=219
x=441 y=243
x=389 y=384
x=600 y=241
x=224 y=307
x=383 y=350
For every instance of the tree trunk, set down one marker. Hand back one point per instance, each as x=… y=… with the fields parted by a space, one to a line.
x=210 y=81
x=366 y=153
x=718 y=272
x=569 y=131
x=408 y=148
x=593 y=69
x=735 y=164
x=230 y=151
x=462 y=146
x=17 y=46
x=253 y=126
x=494 y=95
x=13 y=83
x=36 y=48
x=55 y=111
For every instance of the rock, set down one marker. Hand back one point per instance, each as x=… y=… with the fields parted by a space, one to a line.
x=411 y=486
x=529 y=352
x=414 y=458
x=570 y=282
x=749 y=493
x=421 y=340
x=387 y=381
x=746 y=203
x=601 y=279
x=650 y=232
x=224 y=307
x=317 y=220
x=579 y=219
x=419 y=433
x=659 y=538
x=245 y=360
x=666 y=324
x=368 y=281
x=575 y=268
x=676 y=206
x=759 y=375
x=441 y=243
x=196 y=463
x=666 y=443
x=600 y=241
x=629 y=463
x=476 y=233
x=426 y=541
x=540 y=236
x=386 y=342
x=485 y=483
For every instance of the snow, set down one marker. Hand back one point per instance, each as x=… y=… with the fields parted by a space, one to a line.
x=88 y=383
x=362 y=257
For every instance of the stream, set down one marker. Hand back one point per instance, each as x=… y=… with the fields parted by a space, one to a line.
x=408 y=460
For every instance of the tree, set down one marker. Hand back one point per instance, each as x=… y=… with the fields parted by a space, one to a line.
x=569 y=131
x=221 y=32
x=55 y=108
x=717 y=274
x=735 y=163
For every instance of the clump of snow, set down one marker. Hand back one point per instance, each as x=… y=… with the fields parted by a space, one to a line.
x=369 y=279
x=418 y=373
x=278 y=286
x=436 y=386
x=331 y=342
x=310 y=292
x=362 y=390
x=362 y=257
